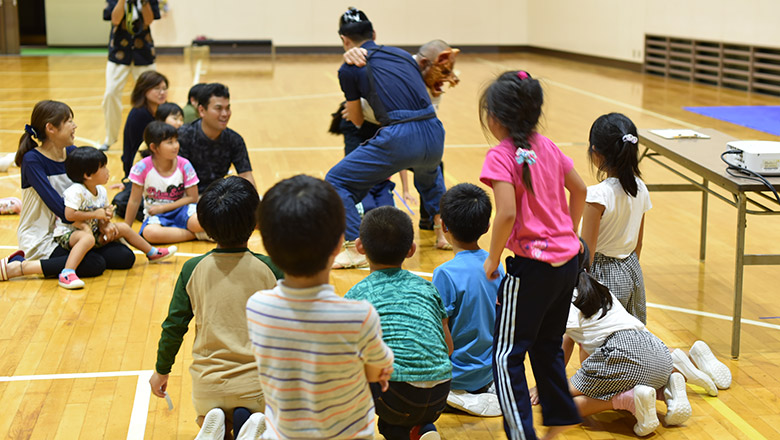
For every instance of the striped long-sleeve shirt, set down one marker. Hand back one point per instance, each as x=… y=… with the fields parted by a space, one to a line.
x=311 y=348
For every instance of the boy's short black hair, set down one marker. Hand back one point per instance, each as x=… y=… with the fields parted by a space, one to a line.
x=302 y=223
x=355 y=25
x=465 y=210
x=212 y=89
x=84 y=161
x=166 y=109
x=387 y=235
x=227 y=211
x=158 y=131
x=195 y=91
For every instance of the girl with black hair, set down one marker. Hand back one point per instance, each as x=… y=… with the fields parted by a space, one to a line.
x=624 y=363
x=529 y=176
x=614 y=216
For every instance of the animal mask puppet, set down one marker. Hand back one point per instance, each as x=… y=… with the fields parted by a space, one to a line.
x=439 y=71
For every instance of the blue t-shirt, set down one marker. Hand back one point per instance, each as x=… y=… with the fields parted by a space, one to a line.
x=411 y=313
x=398 y=81
x=470 y=300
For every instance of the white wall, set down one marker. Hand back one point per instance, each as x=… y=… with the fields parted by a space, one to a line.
x=76 y=23
x=315 y=22
x=605 y=28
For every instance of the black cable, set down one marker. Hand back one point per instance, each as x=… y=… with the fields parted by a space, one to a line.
x=752 y=175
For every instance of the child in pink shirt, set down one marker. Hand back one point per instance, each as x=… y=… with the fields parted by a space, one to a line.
x=169 y=187
x=528 y=174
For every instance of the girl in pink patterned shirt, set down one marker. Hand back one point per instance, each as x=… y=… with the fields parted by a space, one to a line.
x=528 y=174
x=169 y=187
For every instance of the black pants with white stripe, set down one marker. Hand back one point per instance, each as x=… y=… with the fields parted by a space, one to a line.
x=533 y=304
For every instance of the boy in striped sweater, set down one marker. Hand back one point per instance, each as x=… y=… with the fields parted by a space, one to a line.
x=316 y=352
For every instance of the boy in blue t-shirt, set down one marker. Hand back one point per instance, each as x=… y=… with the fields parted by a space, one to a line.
x=414 y=326
x=470 y=300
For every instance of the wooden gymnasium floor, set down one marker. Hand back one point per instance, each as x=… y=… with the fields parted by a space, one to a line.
x=74 y=364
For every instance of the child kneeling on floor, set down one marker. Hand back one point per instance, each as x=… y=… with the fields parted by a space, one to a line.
x=470 y=300
x=86 y=205
x=213 y=289
x=414 y=325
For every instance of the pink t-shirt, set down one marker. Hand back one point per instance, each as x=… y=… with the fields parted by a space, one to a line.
x=543 y=229
x=160 y=189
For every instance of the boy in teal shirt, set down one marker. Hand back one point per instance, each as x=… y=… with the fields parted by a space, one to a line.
x=414 y=326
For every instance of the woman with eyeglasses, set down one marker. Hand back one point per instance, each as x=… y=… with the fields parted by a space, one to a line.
x=151 y=90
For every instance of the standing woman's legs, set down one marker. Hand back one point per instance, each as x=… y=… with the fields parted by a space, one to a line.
x=116 y=77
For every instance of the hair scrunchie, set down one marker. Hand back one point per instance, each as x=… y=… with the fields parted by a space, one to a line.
x=31 y=131
x=630 y=138
x=525 y=156
x=522 y=74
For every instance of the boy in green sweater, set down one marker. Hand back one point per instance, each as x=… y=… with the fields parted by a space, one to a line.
x=214 y=289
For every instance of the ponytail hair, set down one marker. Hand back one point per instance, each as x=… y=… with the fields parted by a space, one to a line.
x=614 y=137
x=515 y=100
x=592 y=296
x=44 y=112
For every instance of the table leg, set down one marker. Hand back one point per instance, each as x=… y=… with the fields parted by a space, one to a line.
x=736 y=324
x=703 y=237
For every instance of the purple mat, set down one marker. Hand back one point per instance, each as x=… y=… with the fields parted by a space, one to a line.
x=764 y=118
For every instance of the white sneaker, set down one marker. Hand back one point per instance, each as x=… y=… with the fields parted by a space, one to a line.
x=253 y=428
x=213 y=426
x=707 y=362
x=104 y=147
x=678 y=408
x=692 y=374
x=482 y=405
x=349 y=258
x=644 y=404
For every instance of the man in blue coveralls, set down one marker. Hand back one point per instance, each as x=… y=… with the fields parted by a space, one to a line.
x=411 y=137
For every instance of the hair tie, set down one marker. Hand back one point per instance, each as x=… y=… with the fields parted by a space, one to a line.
x=630 y=138
x=522 y=74
x=525 y=156
x=30 y=130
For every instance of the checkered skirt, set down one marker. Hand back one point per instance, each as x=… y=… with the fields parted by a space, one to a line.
x=624 y=279
x=626 y=359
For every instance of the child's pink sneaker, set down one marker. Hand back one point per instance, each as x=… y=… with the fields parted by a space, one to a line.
x=162 y=254
x=70 y=281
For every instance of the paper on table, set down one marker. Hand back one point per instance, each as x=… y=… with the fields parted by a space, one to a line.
x=679 y=133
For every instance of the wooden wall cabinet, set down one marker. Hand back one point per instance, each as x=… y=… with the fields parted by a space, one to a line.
x=740 y=66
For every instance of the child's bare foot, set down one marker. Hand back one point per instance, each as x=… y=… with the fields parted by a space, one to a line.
x=555 y=430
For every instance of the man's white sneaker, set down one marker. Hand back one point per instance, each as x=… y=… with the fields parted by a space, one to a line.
x=678 y=408
x=707 y=362
x=644 y=404
x=482 y=405
x=213 y=426
x=349 y=258
x=692 y=374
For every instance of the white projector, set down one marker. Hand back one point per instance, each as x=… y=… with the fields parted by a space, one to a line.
x=762 y=157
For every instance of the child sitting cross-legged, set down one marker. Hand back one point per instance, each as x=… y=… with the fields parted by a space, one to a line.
x=414 y=325
x=86 y=205
x=470 y=300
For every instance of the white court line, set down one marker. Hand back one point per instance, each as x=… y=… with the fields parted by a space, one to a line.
x=10 y=176
x=602 y=98
x=196 y=78
x=143 y=392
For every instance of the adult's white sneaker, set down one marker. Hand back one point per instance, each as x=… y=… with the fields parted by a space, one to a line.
x=213 y=426
x=692 y=374
x=482 y=405
x=707 y=362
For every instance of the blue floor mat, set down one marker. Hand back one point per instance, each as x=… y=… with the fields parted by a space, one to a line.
x=764 y=118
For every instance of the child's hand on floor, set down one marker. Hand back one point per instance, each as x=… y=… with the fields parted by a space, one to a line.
x=159 y=383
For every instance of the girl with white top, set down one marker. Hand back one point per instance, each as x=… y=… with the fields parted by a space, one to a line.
x=614 y=215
